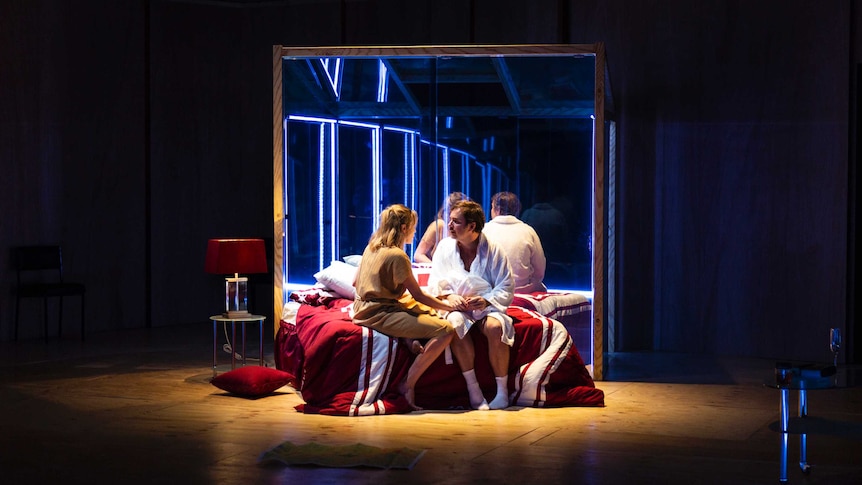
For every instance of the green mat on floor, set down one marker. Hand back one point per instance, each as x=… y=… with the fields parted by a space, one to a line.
x=342 y=456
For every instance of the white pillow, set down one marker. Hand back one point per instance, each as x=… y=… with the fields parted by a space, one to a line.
x=338 y=277
x=353 y=259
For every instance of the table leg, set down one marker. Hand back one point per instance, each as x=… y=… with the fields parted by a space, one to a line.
x=233 y=345
x=803 y=437
x=784 y=421
x=243 y=343
x=261 y=342
x=215 y=344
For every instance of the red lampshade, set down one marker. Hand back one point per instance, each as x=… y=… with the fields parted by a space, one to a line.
x=235 y=256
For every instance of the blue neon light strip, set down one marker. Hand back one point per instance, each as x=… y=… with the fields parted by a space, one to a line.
x=402 y=130
x=446 y=182
x=333 y=72
x=414 y=165
x=285 y=252
x=356 y=123
x=593 y=214
x=376 y=161
x=406 y=197
x=465 y=167
x=333 y=194
x=382 y=82
x=321 y=156
x=311 y=119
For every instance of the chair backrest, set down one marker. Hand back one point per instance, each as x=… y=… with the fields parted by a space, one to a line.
x=39 y=259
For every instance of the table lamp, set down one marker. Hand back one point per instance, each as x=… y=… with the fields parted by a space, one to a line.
x=232 y=257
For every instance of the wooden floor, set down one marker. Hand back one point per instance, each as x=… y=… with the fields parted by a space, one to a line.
x=137 y=407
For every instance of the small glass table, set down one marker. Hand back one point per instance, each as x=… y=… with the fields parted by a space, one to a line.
x=842 y=378
x=233 y=321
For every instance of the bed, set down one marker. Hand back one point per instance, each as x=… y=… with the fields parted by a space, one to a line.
x=349 y=370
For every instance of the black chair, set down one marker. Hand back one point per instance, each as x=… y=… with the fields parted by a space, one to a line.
x=40 y=275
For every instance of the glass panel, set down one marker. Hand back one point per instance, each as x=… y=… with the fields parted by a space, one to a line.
x=556 y=180
x=432 y=189
x=398 y=168
x=412 y=129
x=307 y=198
x=356 y=206
x=479 y=183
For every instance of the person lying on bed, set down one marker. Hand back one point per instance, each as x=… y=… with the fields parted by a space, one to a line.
x=471 y=272
x=520 y=242
x=437 y=230
x=381 y=303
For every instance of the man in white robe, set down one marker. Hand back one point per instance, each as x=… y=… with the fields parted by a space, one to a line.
x=472 y=273
x=520 y=242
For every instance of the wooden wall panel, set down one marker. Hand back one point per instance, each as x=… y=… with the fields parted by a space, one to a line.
x=207 y=182
x=519 y=22
x=395 y=22
x=738 y=141
x=72 y=155
x=732 y=130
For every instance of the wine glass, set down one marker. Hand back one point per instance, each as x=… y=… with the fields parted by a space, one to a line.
x=834 y=344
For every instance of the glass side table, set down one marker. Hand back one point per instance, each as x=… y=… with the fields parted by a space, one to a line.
x=789 y=379
x=233 y=321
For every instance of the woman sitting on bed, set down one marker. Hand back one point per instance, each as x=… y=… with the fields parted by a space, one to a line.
x=381 y=303
x=472 y=273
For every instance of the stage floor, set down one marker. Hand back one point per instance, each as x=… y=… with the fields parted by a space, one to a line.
x=137 y=407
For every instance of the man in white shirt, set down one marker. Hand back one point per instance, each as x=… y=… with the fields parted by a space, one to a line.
x=519 y=241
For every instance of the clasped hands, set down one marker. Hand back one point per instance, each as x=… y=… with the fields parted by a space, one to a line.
x=466 y=303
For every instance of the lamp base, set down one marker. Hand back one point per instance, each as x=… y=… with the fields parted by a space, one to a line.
x=236 y=314
x=236 y=297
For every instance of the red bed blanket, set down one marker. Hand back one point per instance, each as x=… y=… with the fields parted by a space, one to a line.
x=347 y=369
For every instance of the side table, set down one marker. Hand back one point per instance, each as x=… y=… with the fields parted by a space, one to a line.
x=233 y=321
x=794 y=381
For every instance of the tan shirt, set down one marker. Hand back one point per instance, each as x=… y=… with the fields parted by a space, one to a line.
x=381 y=302
x=380 y=280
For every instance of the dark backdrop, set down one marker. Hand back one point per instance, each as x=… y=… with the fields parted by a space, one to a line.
x=134 y=131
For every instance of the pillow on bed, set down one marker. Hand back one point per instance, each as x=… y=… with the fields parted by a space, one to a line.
x=353 y=259
x=338 y=277
x=252 y=380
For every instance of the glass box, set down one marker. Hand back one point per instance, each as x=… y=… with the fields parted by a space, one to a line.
x=356 y=129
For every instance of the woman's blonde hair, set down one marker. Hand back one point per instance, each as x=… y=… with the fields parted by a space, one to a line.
x=390 y=233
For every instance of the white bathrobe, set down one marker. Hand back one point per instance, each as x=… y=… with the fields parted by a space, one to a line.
x=489 y=277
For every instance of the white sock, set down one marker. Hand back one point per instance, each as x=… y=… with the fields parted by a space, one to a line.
x=501 y=400
x=477 y=400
